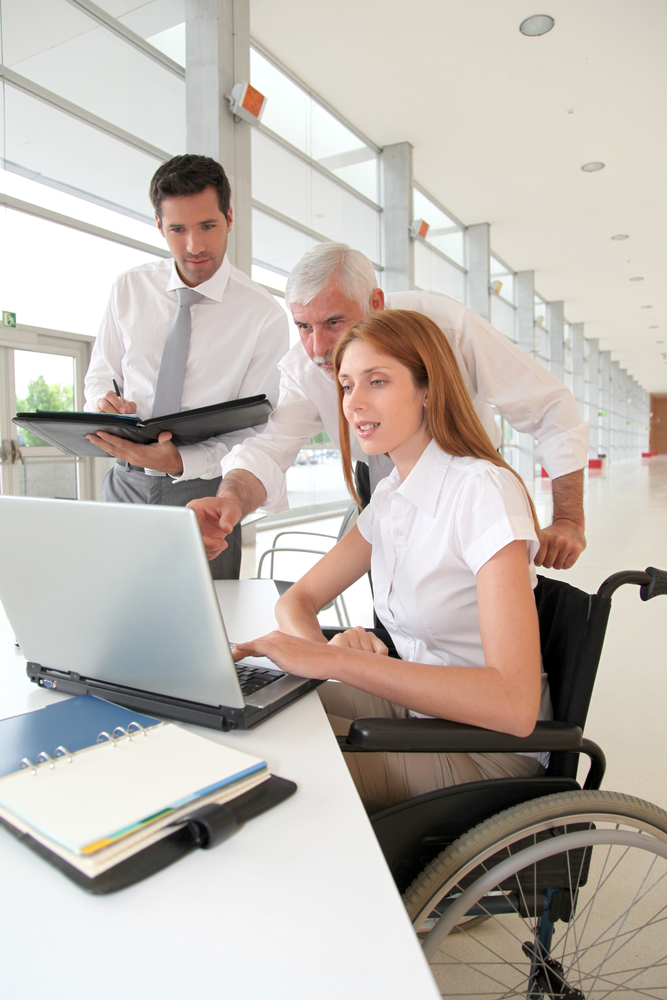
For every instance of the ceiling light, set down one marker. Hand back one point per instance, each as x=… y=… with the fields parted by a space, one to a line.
x=538 y=24
x=635 y=279
x=591 y=167
x=657 y=327
x=646 y=307
x=618 y=236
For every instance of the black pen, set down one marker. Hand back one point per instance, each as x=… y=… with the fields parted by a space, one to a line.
x=116 y=389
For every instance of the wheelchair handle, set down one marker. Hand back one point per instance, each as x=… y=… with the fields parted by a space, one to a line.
x=652 y=582
x=658 y=584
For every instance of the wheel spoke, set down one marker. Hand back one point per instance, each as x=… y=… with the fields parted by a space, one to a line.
x=612 y=943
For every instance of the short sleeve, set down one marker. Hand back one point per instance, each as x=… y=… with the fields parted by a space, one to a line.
x=494 y=511
x=365 y=523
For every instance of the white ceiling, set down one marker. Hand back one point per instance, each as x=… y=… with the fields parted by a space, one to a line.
x=501 y=124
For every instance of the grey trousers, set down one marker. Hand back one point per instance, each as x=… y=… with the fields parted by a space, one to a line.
x=384 y=779
x=129 y=484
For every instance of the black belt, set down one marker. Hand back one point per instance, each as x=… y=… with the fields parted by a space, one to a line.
x=138 y=468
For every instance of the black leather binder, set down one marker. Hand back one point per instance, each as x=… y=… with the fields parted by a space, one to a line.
x=130 y=756
x=67 y=431
x=205 y=828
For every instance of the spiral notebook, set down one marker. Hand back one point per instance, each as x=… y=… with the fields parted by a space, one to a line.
x=123 y=793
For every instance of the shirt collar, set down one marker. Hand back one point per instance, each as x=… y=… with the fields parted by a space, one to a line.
x=214 y=288
x=424 y=484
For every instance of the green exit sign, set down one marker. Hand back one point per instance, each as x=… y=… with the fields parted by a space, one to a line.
x=8 y=319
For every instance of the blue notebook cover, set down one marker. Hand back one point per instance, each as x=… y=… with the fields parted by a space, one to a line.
x=74 y=724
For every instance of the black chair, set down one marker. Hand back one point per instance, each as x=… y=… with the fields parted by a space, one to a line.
x=446 y=848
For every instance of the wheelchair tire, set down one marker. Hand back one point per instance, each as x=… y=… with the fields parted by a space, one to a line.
x=609 y=934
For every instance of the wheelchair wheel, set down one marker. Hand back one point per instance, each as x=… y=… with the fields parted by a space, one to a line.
x=573 y=892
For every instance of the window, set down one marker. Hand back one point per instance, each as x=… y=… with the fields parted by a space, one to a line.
x=440 y=255
x=296 y=115
x=444 y=233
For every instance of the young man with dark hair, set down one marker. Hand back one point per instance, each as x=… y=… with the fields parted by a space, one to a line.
x=189 y=174
x=172 y=348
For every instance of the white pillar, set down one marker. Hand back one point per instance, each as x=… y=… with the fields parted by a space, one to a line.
x=555 y=326
x=217 y=57
x=592 y=392
x=525 y=311
x=605 y=404
x=577 y=334
x=478 y=250
x=398 y=249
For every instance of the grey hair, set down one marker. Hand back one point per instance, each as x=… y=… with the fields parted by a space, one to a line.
x=325 y=264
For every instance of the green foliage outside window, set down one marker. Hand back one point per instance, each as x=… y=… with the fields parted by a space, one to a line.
x=43 y=397
x=322 y=439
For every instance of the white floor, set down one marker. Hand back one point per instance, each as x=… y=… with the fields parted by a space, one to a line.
x=626 y=511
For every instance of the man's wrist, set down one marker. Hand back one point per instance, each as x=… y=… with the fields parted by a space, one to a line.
x=232 y=502
x=577 y=521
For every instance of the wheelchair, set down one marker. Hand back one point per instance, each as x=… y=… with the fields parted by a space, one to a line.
x=533 y=887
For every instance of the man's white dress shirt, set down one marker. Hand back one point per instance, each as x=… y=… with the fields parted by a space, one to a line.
x=431 y=535
x=238 y=335
x=495 y=371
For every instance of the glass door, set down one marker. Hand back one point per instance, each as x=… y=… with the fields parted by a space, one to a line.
x=42 y=382
x=45 y=374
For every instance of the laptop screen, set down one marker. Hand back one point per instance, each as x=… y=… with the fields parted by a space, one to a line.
x=119 y=593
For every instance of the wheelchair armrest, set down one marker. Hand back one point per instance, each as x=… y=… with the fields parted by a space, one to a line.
x=442 y=736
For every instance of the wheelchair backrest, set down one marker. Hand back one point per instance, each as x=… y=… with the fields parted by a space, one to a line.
x=572 y=630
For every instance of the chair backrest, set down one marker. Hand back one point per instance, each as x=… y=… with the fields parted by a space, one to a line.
x=572 y=630
x=349 y=520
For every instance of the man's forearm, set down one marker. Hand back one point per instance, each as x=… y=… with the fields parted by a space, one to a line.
x=243 y=489
x=568 y=498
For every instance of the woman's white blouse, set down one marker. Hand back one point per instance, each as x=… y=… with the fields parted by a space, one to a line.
x=431 y=535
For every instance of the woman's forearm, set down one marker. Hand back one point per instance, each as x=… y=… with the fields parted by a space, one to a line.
x=478 y=696
x=297 y=615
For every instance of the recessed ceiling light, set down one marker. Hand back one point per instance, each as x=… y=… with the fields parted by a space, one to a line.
x=646 y=307
x=618 y=236
x=538 y=24
x=635 y=279
x=591 y=167
x=657 y=327
x=659 y=341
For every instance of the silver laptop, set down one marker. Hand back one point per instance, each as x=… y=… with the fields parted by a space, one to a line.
x=117 y=600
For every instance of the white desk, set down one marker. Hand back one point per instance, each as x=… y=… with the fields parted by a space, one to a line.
x=299 y=904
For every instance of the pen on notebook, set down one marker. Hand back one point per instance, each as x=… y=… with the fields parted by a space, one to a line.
x=117 y=391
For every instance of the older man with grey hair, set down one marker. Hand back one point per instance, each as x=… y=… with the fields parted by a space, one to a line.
x=329 y=290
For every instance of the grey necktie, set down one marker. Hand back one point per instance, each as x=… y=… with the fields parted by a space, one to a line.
x=169 y=388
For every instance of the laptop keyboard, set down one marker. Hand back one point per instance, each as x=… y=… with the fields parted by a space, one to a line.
x=252 y=679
